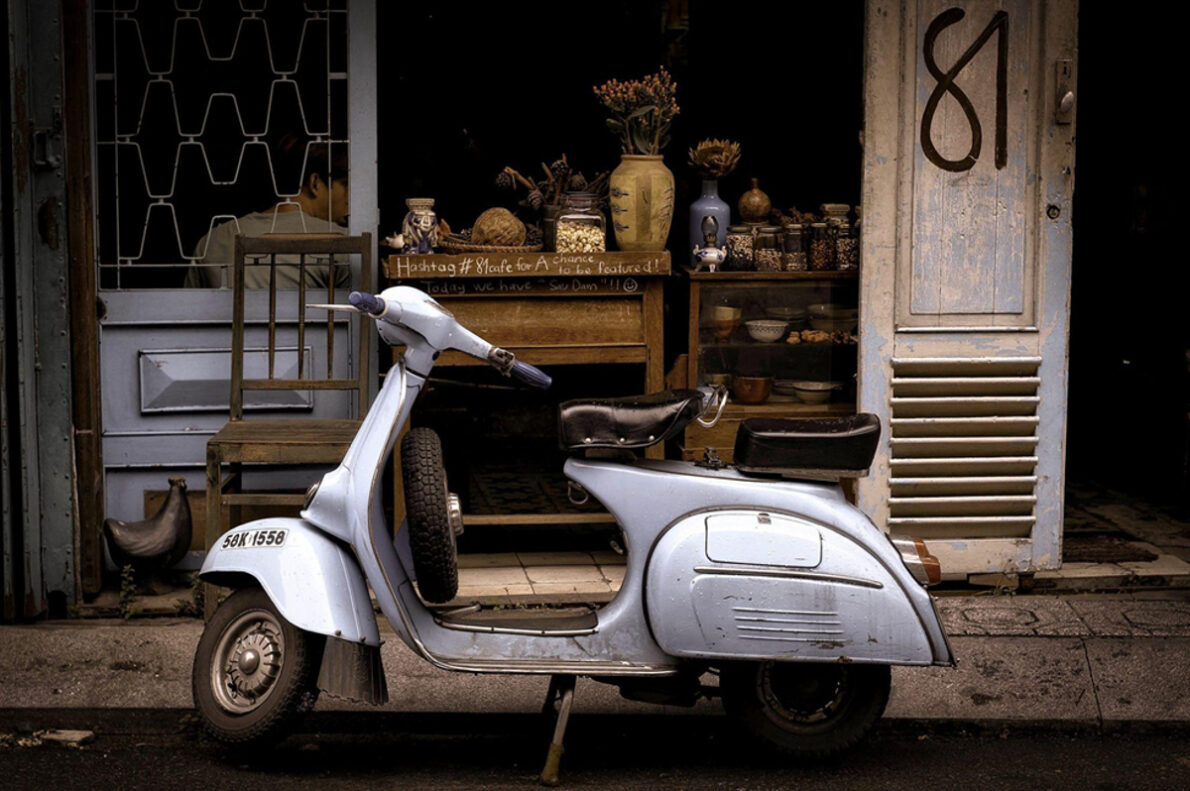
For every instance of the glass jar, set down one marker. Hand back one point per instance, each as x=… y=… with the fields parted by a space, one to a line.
x=740 y=247
x=581 y=227
x=846 y=248
x=793 y=248
x=767 y=249
x=822 y=247
x=833 y=212
x=420 y=227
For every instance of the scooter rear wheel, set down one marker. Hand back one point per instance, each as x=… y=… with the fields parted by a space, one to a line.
x=255 y=673
x=807 y=710
x=427 y=509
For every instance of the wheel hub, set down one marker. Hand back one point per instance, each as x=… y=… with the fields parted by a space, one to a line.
x=248 y=662
x=807 y=694
x=455 y=509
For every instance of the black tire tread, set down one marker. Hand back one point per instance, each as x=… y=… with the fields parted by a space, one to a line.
x=431 y=537
x=295 y=695
x=738 y=681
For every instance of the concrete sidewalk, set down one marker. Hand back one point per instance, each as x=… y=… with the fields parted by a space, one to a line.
x=1093 y=661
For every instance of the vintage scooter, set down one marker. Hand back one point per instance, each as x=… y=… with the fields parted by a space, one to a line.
x=756 y=572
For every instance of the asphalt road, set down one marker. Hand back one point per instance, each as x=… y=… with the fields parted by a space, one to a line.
x=606 y=752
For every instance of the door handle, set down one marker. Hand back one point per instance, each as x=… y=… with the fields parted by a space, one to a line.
x=1064 y=92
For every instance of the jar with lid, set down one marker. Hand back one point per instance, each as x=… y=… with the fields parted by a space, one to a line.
x=768 y=248
x=740 y=247
x=833 y=212
x=793 y=248
x=846 y=248
x=581 y=227
x=822 y=247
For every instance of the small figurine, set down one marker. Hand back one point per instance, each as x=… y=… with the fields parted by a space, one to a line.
x=420 y=228
x=709 y=253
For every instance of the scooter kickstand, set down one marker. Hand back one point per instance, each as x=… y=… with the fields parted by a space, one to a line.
x=561 y=686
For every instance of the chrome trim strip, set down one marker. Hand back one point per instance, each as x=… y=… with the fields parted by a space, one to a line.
x=468 y=627
x=740 y=571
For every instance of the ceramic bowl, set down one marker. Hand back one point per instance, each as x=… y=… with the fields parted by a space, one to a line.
x=722 y=329
x=784 y=313
x=834 y=324
x=767 y=330
x=751 y=389
x=725 y=313
x=814 y=392
x=832 y=310
x=718 y=379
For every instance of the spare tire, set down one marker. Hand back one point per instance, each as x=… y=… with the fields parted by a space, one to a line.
x=427 y=511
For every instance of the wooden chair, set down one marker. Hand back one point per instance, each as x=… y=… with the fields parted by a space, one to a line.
x=244 y=443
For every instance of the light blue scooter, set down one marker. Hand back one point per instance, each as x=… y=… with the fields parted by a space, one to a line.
x=755 y=572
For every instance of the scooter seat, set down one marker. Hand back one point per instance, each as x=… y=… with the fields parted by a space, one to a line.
x=833 y=447
x=635 y=422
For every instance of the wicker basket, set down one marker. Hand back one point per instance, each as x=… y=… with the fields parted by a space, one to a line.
x=452 y=243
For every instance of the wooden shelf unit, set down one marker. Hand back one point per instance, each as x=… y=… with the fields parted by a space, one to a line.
x=722 y=437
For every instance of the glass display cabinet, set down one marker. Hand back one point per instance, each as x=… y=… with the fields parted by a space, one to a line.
x=784 y=343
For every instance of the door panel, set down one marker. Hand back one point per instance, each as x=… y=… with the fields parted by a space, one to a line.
x=968 y=179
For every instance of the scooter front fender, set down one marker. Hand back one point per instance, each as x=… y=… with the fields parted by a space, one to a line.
x=314 y=581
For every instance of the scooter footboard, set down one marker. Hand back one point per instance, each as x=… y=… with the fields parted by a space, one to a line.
x=315 y=583
x=755 y=585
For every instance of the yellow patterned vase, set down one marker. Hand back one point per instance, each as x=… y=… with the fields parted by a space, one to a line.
x=641 y=192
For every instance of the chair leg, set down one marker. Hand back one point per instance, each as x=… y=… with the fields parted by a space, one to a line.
x=214 y=526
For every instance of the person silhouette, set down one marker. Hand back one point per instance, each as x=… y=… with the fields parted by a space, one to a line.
x=320 y=206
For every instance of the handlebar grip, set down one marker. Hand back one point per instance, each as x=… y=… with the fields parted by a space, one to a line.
x=531 y=375
x=368 y=303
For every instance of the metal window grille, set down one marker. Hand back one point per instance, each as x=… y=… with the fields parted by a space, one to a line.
x=193 y=99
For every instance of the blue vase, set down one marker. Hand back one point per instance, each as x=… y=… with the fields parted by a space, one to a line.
x=708 y=204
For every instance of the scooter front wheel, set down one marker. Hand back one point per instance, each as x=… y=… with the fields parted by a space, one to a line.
x=255 y=673
x=808 y=710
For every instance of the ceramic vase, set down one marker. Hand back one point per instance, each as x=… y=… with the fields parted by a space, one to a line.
x=641 y=193
x=755 y=205
x=709 y=204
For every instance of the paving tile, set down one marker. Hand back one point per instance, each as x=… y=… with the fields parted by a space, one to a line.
x=1165 y=567
x=605 y=557
x=1000 y=678
x=586 y=587
x=504 y=575
x=613 y=574
x=1142 y=678
x=1044 y=616
x=469 y=593
x=570 y=574
x=1083 y=576
x=555 y=559
x=495 y=560
x=1134 y=617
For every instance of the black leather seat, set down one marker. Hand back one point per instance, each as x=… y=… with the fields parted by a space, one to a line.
x=841 y=444
x=635 y=422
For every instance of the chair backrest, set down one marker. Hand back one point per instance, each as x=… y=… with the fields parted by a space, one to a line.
x=308 y=254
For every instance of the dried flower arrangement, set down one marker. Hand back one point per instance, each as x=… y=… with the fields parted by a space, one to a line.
x=642 y=111
x=560 y=178
x=715 y=159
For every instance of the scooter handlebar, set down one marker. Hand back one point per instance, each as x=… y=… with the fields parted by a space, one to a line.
x=531 y=375
x=368 y=303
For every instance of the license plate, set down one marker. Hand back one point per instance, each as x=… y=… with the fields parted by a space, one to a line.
x=254 y=539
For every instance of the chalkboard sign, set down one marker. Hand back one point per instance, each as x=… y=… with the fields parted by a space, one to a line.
x=521 y=265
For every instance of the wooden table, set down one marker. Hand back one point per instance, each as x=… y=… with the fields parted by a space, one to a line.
x=551 y=309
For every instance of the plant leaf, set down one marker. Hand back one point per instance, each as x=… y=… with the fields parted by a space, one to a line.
x=615 y=125
x=642 y=111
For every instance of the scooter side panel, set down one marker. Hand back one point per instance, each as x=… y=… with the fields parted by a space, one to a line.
x=848 y=605
x=315 y=583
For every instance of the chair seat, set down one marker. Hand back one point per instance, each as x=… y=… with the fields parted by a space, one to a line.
x=300 y=441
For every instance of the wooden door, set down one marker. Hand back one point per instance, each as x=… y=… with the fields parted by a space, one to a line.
x=968 y=180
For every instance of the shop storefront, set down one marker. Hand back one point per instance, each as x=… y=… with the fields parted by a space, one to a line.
x=896 y=231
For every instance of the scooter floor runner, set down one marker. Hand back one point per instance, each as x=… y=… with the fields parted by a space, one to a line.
x=534 y=619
